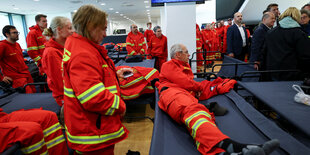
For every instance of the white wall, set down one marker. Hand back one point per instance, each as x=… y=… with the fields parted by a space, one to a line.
x=180 y=19
x=30 y=19
x=205 y=13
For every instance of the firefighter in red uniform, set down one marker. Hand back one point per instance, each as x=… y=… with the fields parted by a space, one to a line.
x=38 y=132
x=12 y=63
x=92 y=104
x=157 y=47
x=220 y=34
x=135 y=42
x=35 y=40
x=176 y=86
x=58 y=31
x=199 y=44
x=229 y=21
x=148 y=33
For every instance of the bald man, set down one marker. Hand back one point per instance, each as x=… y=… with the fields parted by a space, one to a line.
x=237 y=39
x=136 y=44
x=268 y=20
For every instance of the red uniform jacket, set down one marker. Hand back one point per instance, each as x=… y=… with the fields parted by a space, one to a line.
x=138 y=84
x=148 y=34
x=158 y=47
x=92 y=103
x=35 y=44
x=12 y=61
x=199 y=39
x=51 y=63
x=206 y=35
x=135 y=44
x=225 y=38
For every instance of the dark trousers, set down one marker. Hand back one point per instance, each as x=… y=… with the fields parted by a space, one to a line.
x=241 y=56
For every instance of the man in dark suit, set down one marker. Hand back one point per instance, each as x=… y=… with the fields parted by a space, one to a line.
x=237 y=39
x=268 y=20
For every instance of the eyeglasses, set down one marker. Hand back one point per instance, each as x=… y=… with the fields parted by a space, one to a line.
x=16 y=33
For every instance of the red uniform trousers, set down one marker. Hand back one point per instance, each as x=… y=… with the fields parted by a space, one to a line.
x=185 y=109
x=21 y=82
x=105 y=151
x=43 y=124
x=199 y=56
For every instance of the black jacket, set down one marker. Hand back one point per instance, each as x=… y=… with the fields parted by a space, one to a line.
x=258 y=43
x=287 y=48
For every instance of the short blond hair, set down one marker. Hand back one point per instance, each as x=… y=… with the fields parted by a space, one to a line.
x=88 y=17
x=291 y=12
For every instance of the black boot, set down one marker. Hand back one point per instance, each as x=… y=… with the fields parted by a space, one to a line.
x=217 y=109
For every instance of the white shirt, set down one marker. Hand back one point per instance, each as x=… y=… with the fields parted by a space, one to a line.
x=242 y=35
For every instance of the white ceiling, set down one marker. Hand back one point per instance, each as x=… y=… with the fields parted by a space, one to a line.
x=132 y=9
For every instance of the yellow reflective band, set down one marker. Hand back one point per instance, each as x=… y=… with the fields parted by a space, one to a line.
x=112 y=89
x=69 y=92
x=32 y=48
x=39 y=37
x=41 y=47
x=67 y=55
x=149 y=87
x=187 y=68
x=130 y=44
x=37 y=58
x=97 y=139
x=55 y=141
x=144 y=42
x=44 y=153
x=142 y=50
x=140 y=44
x=51 y=129
x=132 y=82
x=150 y=74
x=114 y=106
x=34 y=147
x=132 y=53
x=91 y=92
x=104 y=65
x=78 y=152
x=188 y=120
x=197 y=144
x=198 y=48
x=197 y=125
x=197 y=38
x=135 y=95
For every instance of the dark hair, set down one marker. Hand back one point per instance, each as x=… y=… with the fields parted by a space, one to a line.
x=271 y=5
x=38 y=17
x=148 y=23
x=303 y=11
x=308 y=4
x=156 y=28
x=7 y=28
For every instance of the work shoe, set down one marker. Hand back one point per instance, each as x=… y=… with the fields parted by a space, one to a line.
x=270 y=146
x=217 y=109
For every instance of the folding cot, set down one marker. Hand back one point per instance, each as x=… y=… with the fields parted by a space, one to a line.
x=145 y=63
x=279 y=96
x=242 y=123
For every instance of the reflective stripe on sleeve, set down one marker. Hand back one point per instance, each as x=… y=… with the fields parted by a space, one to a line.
x=91 y=92
x=32 y=48
x=51 y=129
x=55 y=141
x=114 y=106
x=132 y=82
x=69 y=92
x=34 y=147
x=150 y=74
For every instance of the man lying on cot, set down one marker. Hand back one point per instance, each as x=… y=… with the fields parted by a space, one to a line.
x=178 y=98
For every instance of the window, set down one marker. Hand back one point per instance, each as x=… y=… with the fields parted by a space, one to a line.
x=18 y=23
x=4 y=18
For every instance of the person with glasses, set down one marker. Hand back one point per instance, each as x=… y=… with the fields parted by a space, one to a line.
x=12 y=64
x=305 y=21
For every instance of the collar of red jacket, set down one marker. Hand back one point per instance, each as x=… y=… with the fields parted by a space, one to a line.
x=7 y=42
x=131 y=34
x=179 y=62
x=35 y=27
x=100 y=48
x=54 y=44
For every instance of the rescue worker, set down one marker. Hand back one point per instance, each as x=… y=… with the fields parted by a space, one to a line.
x=35 y=40
x=157 y=47
x=12 y=64
x=199 y=44
x=92 y=104
x=38 y=132
x=229 y=23
x=135 y=42
x=58 y=31
x=148 y=34
x=175 y=85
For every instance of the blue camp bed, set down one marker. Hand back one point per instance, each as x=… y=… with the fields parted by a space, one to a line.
x=279 y=96
x=242 y=123
x=17 y=101
x=145 y=63
x=233 y=68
